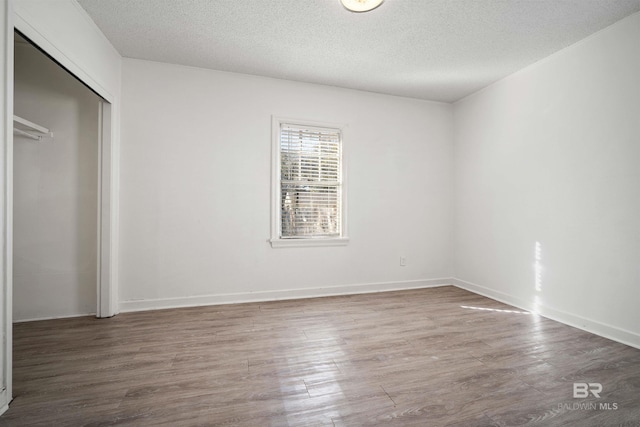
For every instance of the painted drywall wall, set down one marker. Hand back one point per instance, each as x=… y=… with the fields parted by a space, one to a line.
x=195 y=189
x=549 y=157
x=55 y=192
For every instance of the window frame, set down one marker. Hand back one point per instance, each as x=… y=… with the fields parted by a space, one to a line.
x=276 y=221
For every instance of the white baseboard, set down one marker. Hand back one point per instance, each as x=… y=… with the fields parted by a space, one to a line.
x=278 y=295
x=599 y=328
x=66 y=316
x=602 y=329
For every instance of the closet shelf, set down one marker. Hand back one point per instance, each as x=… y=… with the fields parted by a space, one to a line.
x=29 y=129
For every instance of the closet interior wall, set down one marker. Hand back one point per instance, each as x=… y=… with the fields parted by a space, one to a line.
x=55 y=191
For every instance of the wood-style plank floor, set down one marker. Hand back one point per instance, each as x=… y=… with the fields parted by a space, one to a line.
x=430 y=357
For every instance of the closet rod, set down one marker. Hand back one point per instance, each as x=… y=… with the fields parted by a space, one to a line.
x=27 y=134
x=26 y=128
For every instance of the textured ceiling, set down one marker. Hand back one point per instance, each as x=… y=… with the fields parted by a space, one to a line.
x=440 y=50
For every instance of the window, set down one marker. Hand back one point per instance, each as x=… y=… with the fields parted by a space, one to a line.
x=308 y=193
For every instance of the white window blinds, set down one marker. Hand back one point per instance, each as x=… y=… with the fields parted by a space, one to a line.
x=310 y=182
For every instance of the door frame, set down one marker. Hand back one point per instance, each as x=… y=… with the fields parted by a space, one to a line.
x=108 y=190
x=106 y=306
x=104 y=300
x=6 y=206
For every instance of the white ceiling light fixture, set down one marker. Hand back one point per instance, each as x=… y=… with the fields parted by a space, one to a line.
x=361 y=5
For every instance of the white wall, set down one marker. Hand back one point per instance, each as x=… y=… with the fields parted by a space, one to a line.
x=195 y=197
x=55 y=192
x=551 y=154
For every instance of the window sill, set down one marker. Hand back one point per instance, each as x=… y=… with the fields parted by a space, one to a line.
x=308 y=243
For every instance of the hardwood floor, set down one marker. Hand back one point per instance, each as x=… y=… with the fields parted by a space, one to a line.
x=431 y=357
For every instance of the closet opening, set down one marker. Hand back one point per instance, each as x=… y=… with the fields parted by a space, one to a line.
x=60 y=180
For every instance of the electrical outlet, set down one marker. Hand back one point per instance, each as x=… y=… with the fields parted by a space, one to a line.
x=403 y=261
